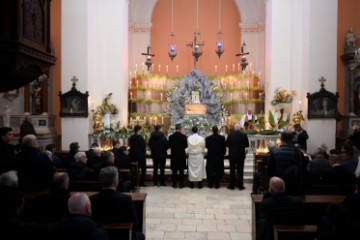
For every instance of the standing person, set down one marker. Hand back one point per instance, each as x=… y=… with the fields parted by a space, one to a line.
x=79 y=224
x=301 y=136
x=216 y=146
x=158 y=145
x=237 y=142
x=138 y=152
x=196 y=150
x=7 y=150
x=178 y=144
x=27 y=127
x=288 y=163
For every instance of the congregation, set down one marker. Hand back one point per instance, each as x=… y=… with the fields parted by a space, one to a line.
x=26 y=168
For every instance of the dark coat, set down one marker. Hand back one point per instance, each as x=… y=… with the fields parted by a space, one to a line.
x=7 y=153
x=110 y=206
x=79 y=227
x=178 y=144
x=158 y=145
x=137 y=148
x=339 y=176
x=301 y=138
x=79 y=171
x=35 y=170
x=25 y=129
x=237 y=142
x=123 y=161
x=216 y=146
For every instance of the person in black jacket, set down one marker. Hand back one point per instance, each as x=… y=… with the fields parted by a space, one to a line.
x=79 y=225
x=158 y=145
x=27 y=127
x=237 y=141
x=138 y=152
x=7 y=150
x=216 y=146
x=178 y=144
x=301 y=136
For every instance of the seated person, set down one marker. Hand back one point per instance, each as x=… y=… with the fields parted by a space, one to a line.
x=56 y=160
x=79 y=171
x=70 y=158
x=352 y=203
x=109 y=205
x=278 y=208
x=79 y=225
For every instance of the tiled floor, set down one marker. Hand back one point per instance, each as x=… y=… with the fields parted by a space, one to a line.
x=198 y=213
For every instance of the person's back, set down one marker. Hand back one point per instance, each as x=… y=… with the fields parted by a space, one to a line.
x=79 y=225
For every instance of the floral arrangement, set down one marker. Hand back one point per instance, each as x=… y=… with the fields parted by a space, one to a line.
x=282 y=96
x=107 y=107
x=199 y=122
x=280 y=122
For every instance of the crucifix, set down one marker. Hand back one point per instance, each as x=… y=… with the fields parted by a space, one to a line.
x=197 y=52
x=74 y=80
x=148 y=55
x=243 y=54
x=322 y=80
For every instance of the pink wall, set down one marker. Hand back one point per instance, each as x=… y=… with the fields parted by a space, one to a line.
x=184 y=27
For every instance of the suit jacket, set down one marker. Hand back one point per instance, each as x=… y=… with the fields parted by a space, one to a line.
x=216 y=146
x=237 y=142
x=137 y=147
x=26 y=128
x=111 y=206
x=79 y=227
x=178 y=144
x=158 y=145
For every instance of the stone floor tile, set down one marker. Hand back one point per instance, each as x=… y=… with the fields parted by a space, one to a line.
x=186 y=228
x=174 y=235
x=240 y=236
x=219 y=236
x=206 y=228
x=196 y=235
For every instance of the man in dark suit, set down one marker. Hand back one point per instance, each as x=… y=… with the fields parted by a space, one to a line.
x=216 y=146
x=109 y=206
x=138 y=152
x=158 y=145
x=178 y=144
x=27 y=127
x=237 y=141
x=79 y=224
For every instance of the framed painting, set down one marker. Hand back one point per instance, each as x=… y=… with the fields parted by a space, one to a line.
x=74 y=103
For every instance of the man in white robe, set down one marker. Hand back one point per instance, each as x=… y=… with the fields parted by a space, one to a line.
x=196 y=150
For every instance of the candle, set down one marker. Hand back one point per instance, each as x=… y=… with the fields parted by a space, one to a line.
x=162 y=120
x=300 y=104
x=233 y=67
x=247 y=83
x=137 y=83
x=259 y=75
x=130 y=95
x=226 y=68
x=238 y=67
x=167 y=69
x=161 y=97
x=130 y=83
x=159 y=67
x=135 y=73
x=246 y=96
x=144 y=120
x=155 y=120
x=142 y=68
x=250 y=66
x=177 y=69
x=135 y=68
x=215 y=69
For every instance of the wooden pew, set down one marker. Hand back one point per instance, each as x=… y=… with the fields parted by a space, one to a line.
x=117 y=231
x=315 y=206
x=84 y=186
x=295 y=232
x=324 y=189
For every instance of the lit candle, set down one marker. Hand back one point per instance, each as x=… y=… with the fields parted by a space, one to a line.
x=162 y=120
x=135 y=73
x=167 y=69
x=233 y=67
x=144 y=120
x=250 y=66
x=300 y=104
x=155 y=120
x=135 y=68
x=238 y=67
x=137 y=83
x=130 y=95
x=161 y=97
x=246 y=96
x=177 y=69
x=215 y=69
x=259 y=75
x=226 y=68
x=159 y=67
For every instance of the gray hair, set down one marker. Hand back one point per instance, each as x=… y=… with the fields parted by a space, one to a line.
x=271 y=145
x=79 y=155
x=108 y=175
x=10 y=179
x=29 y=140
x=78 y=202
x=237 y=127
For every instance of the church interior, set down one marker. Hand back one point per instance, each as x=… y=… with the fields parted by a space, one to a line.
x=88 y=71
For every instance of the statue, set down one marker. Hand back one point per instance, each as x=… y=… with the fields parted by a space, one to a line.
x=7 y=112
x=37 y=98
x=351 y=38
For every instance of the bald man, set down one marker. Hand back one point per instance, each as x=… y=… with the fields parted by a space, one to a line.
x=79 y=223
x=278 y=208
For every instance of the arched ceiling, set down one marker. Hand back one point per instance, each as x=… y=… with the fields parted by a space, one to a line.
x=251 y=11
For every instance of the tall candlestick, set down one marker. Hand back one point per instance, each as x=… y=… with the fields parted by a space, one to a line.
x=215 y=69
x=226 y=68
x=162 y=120
x=233 y=67
x=161 y=97
x=130 y=83
x=137 y=83
x=238 y=67
x=155 y=120
x=246 y=96
x=300 y=104
x=167 y=69
x=177 y=69
x=159 y=68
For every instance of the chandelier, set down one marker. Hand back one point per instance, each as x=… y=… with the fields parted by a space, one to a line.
x=196 y=45
x=172 y=46
x=243 y=54
x=220 y=40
